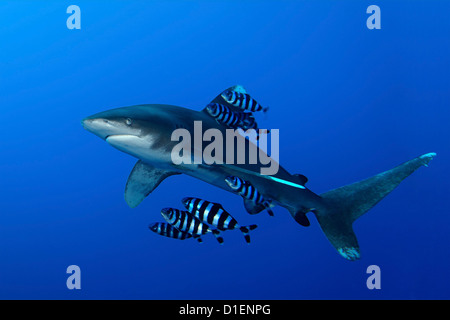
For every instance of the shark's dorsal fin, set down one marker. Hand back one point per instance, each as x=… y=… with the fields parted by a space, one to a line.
x=142 y=180
x=222 y=101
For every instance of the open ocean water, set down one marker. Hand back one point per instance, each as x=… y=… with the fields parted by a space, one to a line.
x=349 y=101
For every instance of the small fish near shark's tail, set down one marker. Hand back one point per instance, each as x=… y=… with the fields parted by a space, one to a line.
x=346 y=204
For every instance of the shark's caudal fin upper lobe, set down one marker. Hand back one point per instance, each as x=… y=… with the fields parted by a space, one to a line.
x=346 y=204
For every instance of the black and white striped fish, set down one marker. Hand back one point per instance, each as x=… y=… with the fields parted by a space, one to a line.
x=167 y=230
x=248 y=191
x=230 y=118
x=215 y=214
x=186 y=222
x=242 y=100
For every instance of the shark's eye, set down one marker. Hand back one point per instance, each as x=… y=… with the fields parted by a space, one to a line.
x=128 y=121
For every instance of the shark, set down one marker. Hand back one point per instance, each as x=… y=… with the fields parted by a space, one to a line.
x=145 y=132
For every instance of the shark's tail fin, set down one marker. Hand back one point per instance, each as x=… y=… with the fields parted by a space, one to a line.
x=346 y=204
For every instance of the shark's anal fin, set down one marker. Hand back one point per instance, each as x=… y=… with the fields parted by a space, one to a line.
x=300 y=216
x=142 y=180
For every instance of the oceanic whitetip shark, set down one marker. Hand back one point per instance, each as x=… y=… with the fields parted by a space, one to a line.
x=145 y=131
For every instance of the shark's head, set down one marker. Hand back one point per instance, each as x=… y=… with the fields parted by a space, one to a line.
x=137 y=130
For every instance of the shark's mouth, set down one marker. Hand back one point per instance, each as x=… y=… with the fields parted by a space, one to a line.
x=127 y=142
x=110 y=135
x=121 y=138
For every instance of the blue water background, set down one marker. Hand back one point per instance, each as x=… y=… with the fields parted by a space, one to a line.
x=349 y=102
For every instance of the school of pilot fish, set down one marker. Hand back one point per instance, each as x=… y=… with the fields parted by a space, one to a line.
x=203 y=217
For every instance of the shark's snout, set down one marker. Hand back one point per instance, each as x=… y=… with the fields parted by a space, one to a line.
x=104 y=126
x=98 y=126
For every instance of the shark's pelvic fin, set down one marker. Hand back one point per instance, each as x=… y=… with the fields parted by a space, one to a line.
x=252 y=207
x=142 y=180
x=344 y=205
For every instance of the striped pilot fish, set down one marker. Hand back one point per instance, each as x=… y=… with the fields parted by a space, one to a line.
x=167 y=230
x=232 y=119
x=242 y=101
x=215 y=214
x=186 y=222
x=248 y=192
x=229 y=118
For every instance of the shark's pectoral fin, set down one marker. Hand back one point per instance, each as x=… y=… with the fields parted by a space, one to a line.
x=142 y=181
